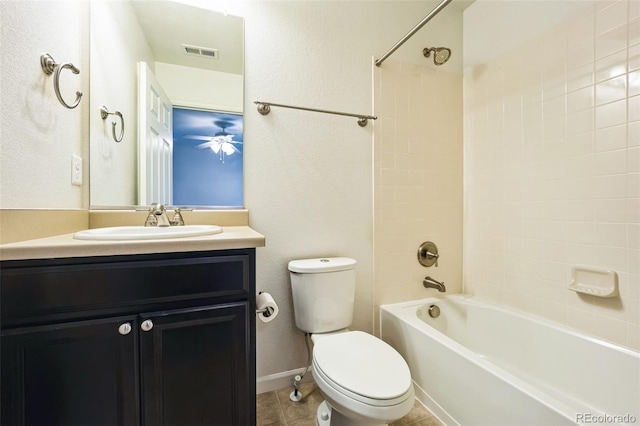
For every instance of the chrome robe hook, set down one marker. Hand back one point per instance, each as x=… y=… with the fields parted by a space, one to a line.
x=104 y=113
x=49 y=67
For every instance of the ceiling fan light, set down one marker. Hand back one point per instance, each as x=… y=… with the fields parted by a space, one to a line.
x=216 y=147
x=228 y=149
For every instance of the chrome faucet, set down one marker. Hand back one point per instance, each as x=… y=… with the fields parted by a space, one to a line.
x=431 y=283
x=160 y=213
x=158 y=216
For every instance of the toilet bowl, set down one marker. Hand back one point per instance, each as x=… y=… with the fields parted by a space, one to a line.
x=364 y=380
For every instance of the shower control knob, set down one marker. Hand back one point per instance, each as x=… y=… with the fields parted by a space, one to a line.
x=146 y=325
x=428 y=254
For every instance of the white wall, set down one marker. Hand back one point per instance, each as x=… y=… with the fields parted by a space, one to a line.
x=552 y=162
x=198 y=88
x=117 y=44
x=309 y=177
x=38 y=134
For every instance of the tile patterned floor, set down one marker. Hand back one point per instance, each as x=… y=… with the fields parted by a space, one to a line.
x=276 y=409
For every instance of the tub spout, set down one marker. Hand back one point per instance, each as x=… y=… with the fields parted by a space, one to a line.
x=431 y=283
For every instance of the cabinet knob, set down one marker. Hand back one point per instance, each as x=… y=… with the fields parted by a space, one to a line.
x=146 y=325
x=124 y=329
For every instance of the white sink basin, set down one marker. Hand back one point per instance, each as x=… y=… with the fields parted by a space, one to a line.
x=146 y=232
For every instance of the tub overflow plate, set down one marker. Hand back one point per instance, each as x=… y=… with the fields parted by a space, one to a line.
x=434 y=311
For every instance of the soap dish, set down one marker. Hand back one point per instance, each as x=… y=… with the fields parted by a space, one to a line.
x=594 y=281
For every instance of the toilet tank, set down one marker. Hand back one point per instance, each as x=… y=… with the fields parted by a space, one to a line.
x=323 y=293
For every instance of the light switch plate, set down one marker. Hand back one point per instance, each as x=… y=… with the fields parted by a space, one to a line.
x=76 y=170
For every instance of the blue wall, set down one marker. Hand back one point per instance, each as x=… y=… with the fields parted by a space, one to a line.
x=200 y=176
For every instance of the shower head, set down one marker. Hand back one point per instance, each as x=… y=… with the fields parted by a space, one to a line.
x=440 y=54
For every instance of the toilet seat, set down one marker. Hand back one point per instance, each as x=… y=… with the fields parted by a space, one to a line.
x=362 y=367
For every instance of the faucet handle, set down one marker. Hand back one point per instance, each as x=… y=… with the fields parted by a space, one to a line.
x=177 y=220
x=428 y=254
x=151 y=220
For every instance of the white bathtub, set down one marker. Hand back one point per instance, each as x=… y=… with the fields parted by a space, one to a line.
x=481 y=364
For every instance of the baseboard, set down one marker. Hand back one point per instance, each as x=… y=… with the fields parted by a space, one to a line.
x=433 y=406
x=281 y=380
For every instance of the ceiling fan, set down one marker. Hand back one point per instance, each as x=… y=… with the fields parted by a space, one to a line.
x=221 y=143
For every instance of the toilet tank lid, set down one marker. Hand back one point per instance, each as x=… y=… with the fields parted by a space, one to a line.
x=320 y=265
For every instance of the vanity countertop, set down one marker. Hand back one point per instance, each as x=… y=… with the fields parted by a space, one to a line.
x=61 y=246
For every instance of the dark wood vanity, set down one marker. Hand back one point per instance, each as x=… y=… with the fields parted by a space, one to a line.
x=135 y=339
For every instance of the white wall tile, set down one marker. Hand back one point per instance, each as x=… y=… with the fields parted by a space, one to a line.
x=611 y=41
x=633 y=134
x=634 y=57
x=611 y=66
x=634 y=31
x=634 y=108
x=634 y=83
x=581 y=29
x=581 y=232
x=570 y=191
x=611 y=17
x=633 y=210
x=611 y=90
x=611 y=138
x=580 y=144
x=580 y=76
x=633 y=232
x=611 y=210
x=580 y=122
x=634 y=9
x=580 y=99
x=610 y=186
x=611 y=234
x=633 y=185
x=419 y=184
x=612 y=114
x=633 y=160
x=611 y=162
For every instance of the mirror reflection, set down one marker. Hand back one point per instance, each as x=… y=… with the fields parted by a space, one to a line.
x=175 y=74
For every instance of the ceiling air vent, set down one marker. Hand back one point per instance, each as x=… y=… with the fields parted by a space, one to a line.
x=206 y=52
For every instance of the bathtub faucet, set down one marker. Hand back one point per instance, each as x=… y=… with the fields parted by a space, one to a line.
x=431 y=283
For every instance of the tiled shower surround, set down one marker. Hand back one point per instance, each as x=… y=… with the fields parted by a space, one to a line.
x=417 y=179
x=552 y=162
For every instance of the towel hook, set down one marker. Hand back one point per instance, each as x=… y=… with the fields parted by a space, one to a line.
x=49 y=67
x=104 y=113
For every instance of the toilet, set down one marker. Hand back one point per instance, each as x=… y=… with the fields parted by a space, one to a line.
x=363 y=380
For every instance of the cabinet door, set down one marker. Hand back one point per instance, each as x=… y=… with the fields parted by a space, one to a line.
x=196 y=367
x=78 y=373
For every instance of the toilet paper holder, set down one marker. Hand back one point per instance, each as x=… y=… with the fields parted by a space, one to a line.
x=266 y=307
x=266 y=311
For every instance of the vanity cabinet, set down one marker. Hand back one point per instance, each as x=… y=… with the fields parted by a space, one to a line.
x=160 y=339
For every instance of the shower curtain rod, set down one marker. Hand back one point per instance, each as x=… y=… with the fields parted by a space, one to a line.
x=265 y=107
x=415 y=29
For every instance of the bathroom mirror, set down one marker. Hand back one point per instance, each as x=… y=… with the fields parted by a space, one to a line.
x=196 y=56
